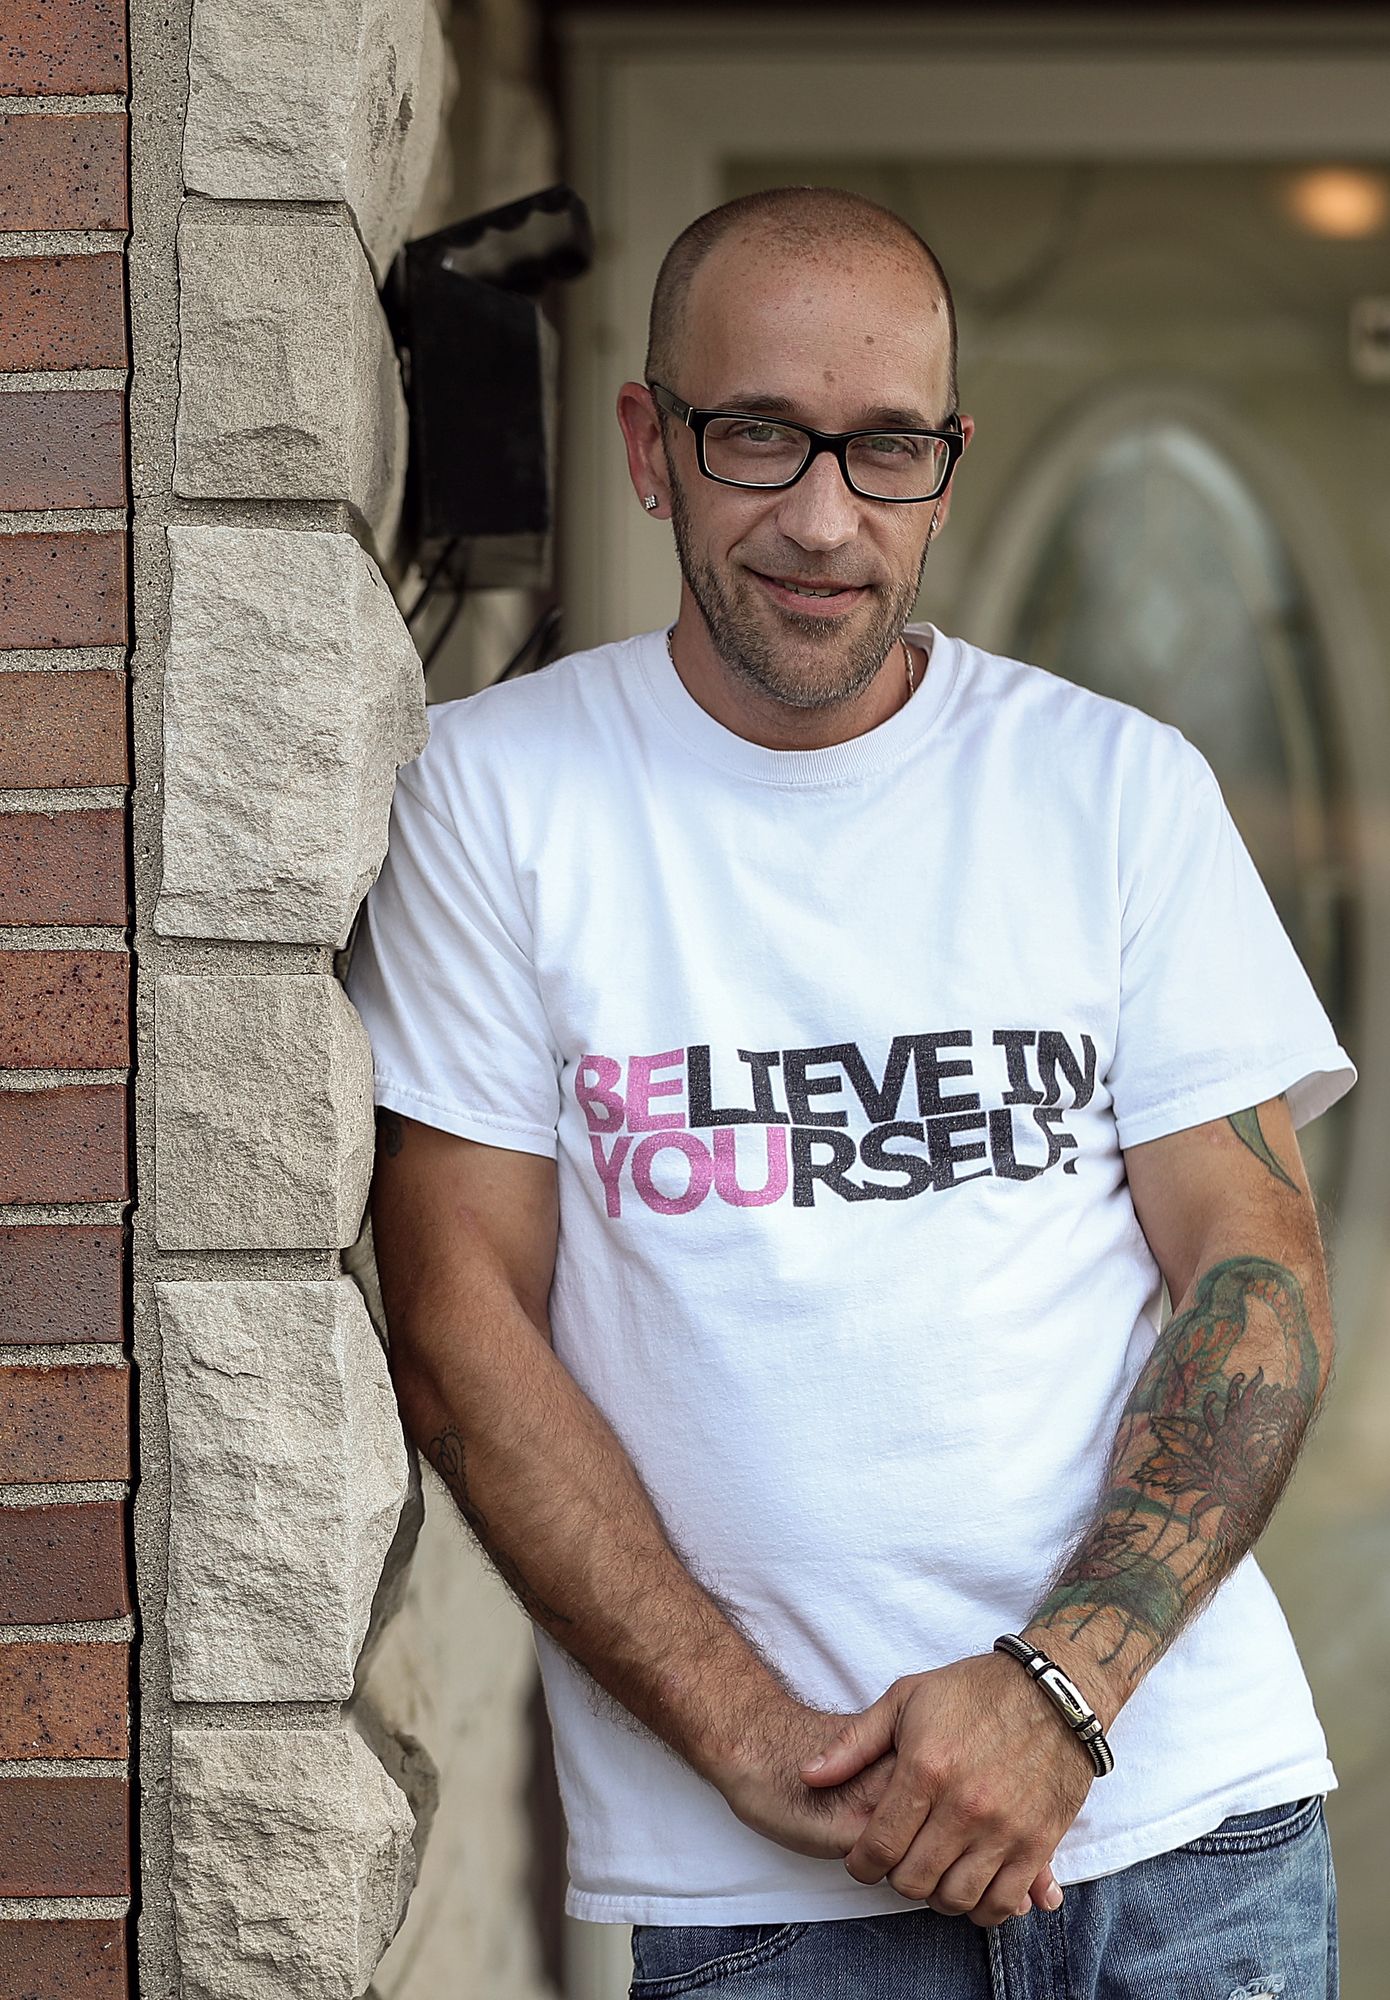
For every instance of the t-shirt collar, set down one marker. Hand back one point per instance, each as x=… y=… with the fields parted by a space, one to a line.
x=862 y=756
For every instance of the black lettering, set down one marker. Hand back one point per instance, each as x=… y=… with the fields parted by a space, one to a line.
x=1013 y=1041
x=801 y=1088
x=806 y=1170
x=945 y=1155
x=1048 y=1117
x=1001 y=1149
x=880 y=1100
x=762 y=1062
x=930 y=1068
x=1054 y=1053
x=702 y=1110
x=874 y=1154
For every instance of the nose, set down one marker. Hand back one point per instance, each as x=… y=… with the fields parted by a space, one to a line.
x=819 y=512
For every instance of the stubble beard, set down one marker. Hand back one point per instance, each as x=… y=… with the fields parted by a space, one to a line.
x=808 y=670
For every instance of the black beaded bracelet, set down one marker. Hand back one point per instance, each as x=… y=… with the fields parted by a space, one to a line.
x=1066 y=1697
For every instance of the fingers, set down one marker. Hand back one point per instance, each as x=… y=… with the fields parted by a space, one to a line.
x=1046 y=1891
x=894 y=1824
x=982 y=1883
x=858 y=1741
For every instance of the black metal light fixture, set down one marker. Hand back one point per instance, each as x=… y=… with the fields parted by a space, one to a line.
x=480 y=363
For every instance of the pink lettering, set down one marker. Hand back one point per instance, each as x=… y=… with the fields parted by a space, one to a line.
x=701 y=1172
x=726 y=1168
x=642 y=1087
x=602 y=1106
x=610 y=1165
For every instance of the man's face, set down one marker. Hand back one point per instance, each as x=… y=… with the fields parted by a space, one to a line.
x=853 y=337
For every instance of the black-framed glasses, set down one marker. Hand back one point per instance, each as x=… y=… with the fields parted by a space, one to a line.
x=741 y=448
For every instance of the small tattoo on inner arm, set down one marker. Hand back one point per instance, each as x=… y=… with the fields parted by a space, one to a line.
x=390 y=1131
x=1246 y=1126
x=446 y=1454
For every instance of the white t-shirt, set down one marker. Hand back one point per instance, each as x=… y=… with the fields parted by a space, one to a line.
x=836 y=1051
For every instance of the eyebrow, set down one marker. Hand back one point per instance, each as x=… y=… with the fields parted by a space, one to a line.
x=886 y=418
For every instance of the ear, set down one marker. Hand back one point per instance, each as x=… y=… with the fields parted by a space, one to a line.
x=942 y=507
x=646 y=454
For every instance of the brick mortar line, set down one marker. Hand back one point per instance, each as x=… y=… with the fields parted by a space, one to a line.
x=59 y=1079
x=63 y=521
x=63 y=1353
x=60 y=242
x=16 y=1908
x=61 y=798
x=63 y=659
x=64 y=1767
x=33 y=380
x=63 y=107
x=61 y=1493
x=73 y=1632
x=81 y=1214
x=62 y=937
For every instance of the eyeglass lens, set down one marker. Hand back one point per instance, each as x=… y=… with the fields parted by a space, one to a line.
x=889 y=465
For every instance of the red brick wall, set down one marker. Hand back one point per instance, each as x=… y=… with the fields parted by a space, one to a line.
x=65 y=1419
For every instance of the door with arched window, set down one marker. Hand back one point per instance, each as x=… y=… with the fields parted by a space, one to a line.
x=1178 y=493
x=1168 y=431
x=1145 y=561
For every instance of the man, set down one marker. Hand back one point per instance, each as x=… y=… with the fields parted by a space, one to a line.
x=805 y=1044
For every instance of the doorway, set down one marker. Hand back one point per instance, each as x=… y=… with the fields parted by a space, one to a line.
x=1179 y=493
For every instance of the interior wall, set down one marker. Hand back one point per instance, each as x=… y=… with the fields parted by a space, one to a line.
x=457 y=1667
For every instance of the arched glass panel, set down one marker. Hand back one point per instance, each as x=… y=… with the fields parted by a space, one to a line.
x=1163 y=582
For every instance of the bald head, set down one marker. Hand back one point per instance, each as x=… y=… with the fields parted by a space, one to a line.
x=795 y=223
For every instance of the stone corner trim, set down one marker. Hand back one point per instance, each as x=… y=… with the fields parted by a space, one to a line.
x=335 y=102
x=288 y=1476
x=293 y=1862
x=289 y=386
x=263 y=1113
x=292 y=692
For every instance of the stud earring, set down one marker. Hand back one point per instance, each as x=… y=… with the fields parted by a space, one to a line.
x=650 y=502
x=935 y=513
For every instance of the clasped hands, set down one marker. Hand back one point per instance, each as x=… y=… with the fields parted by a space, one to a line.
x=955 y=1787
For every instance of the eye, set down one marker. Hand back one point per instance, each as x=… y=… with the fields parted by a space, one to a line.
x=891 y=444
x=756 y=433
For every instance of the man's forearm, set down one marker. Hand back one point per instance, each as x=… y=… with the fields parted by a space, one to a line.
x=549 y=1491
x=1205 y=1446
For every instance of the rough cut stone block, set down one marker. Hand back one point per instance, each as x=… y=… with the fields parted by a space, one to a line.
x=276 y=804
x=289 y=388
x=335 y=102
x=293 y=1862
x=263 y=1113
x=288 y=1476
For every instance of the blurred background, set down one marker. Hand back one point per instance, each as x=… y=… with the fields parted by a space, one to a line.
x=1168 y=235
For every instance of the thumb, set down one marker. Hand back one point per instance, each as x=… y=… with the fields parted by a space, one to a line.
x=859 y=1741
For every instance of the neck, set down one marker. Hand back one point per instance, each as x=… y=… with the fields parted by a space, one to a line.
x=747 y=711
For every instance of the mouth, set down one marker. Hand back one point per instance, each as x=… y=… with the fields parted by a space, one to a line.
x=812 y=596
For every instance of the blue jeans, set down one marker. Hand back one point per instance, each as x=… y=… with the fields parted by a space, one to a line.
x=1243 y=1912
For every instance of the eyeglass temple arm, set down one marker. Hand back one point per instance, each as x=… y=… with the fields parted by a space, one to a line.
x=662 y=395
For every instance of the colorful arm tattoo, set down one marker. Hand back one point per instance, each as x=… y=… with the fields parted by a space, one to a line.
x=1246 y=1126
x=1205 y=1445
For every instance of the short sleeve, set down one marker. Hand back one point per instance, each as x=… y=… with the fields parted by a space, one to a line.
x=1216 y=1010
x=442 y=977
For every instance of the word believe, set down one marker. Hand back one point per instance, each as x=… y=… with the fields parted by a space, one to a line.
x=920 y=1129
